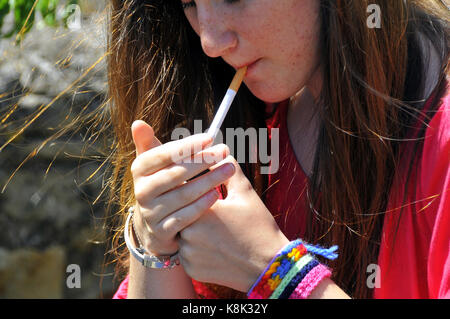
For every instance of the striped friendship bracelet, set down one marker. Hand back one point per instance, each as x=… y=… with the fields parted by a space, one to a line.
x=276 y=272
x=310 y=281
x=282 y=251
x=299 y=272
x=287 y=274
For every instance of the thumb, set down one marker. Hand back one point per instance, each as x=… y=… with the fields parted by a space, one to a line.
x=143 y=137
x=238 y=182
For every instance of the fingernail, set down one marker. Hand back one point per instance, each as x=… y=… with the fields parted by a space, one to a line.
x=228 y=168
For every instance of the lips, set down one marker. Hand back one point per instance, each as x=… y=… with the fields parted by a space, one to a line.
x=248 y=65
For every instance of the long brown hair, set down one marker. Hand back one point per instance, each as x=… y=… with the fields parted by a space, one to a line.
x=373 y=92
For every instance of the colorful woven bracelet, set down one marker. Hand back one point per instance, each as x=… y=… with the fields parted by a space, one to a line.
x=276 y=272
x=290 y=275
x=290 y=287
x=266 y=286
x=311 y=280
x=284 y=276
x=282 y=251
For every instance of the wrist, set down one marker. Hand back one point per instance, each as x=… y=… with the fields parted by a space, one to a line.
x=266 y=258
x=152 y=283
x=135 y=239
x=293 y=272
x=141 y=238
x=140 y=254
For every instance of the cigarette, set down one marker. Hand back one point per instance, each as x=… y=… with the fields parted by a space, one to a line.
x=226 y=102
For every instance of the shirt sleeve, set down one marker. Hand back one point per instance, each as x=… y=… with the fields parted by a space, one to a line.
x=122 y=291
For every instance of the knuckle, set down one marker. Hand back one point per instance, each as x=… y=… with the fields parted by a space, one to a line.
x=150 y=219
x=172 y=225
x=185 y=194
x=158 y=157
x=134 y=168
x=141 y=194
x=144 y=190
x=160 y=232
x=165 y=179
x=176 y=172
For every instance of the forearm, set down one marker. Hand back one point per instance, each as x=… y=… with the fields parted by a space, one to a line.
x=327 y=289
x=147 y=283
x=295 y=273
x=150 y=283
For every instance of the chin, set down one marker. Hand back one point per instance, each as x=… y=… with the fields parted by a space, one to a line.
x=267 y=94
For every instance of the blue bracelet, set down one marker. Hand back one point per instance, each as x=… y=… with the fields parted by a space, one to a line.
x=282 y=251
x=297 y=279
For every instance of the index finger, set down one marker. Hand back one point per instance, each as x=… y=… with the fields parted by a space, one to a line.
x=167 y=154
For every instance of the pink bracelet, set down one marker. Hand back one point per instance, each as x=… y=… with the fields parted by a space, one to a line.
x=311 y=280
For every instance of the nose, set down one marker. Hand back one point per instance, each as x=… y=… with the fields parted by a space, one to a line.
x=216 y=37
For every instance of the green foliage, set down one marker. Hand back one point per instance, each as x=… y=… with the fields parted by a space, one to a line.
x=48 y=10
x=4 y=9
x=24 y=12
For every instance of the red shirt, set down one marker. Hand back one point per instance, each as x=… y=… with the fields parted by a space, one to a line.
x=419 y=266
x=414 y=258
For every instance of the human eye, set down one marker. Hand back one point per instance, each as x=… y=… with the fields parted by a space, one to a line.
x=191 y=4
x=187 y=5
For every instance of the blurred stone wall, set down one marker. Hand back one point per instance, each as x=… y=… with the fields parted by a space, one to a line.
x=48 y=219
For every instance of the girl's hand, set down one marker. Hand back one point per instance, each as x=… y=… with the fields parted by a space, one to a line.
x=165 y=204
x=234 y=241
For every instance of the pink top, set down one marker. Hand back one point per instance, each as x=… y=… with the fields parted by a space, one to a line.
x=419 y=266
x=414 y=259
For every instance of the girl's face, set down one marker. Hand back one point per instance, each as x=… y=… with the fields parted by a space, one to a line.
x=277 y=39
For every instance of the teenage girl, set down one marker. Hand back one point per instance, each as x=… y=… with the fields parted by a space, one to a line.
x=358 y=91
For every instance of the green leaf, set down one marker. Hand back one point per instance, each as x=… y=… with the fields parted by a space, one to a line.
x=48 y=10
x=4 y=10
x=21 y=11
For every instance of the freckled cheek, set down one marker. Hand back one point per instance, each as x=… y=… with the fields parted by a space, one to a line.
x=259 y=38
x=258 y=30
x=307 y=49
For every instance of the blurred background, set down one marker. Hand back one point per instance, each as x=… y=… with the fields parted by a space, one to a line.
x=52 y=71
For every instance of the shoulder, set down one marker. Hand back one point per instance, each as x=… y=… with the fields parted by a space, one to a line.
x=416 y=231
x=439 y=127
x=436 y=146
